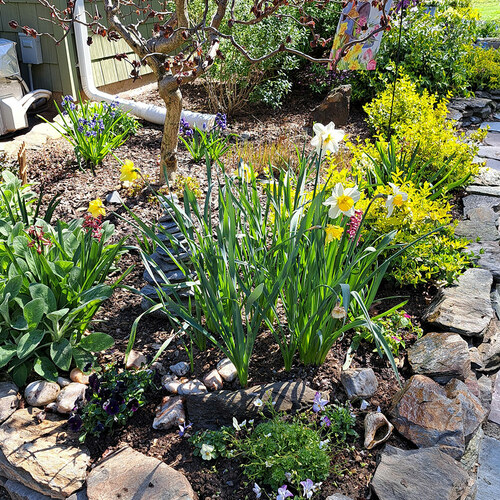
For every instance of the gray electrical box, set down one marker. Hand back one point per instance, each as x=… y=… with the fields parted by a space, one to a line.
x=31 y=49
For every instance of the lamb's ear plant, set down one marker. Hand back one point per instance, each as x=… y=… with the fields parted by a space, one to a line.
x=55 y=278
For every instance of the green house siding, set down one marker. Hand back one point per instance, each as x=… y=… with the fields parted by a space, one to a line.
x=59 y=71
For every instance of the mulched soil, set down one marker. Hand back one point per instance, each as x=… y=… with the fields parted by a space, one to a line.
x=53 y=168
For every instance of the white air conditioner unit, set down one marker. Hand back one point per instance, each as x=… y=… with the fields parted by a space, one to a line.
x=15 y=99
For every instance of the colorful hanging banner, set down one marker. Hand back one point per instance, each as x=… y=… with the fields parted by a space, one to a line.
x=358 y=19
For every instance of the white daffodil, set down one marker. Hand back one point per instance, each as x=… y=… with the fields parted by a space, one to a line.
x=342 y=201
x=326 y=138
x=396 y=199
x=206 y=451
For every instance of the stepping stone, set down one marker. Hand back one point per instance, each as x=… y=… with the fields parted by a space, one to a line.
x=441 y=356
x=492 y=139
x=46 y=129
x=493 y=164
x=490 y=258
x=464 y=308
x=493 y=126
x=128 y=475
x=427 y=474
x=43 y=457
x=164 y=262
x=489 y=152
x=488 y=477
x=172 y=276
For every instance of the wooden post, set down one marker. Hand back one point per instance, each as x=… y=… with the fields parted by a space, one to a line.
x=21 y=158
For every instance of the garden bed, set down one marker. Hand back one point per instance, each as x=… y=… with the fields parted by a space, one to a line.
x=53 y=167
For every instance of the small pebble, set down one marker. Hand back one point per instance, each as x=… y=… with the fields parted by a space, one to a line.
x=180 y=369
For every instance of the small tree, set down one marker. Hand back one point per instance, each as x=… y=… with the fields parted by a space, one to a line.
x=197 y=39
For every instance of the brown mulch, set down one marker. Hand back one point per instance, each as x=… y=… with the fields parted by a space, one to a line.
x=53 y=168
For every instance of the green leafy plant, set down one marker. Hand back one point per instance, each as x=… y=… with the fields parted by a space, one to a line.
x=483 y=68
x=53 y=283
x=397 y=328
x=111 y=399
x=94 y=130
x=206 y=143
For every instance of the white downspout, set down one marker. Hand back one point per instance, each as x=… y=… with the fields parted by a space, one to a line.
x=149 y=112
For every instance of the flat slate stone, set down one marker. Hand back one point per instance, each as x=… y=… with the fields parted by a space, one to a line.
x=464 y=308
x=489 y=259
x=493 y=126
x=489 y=350
x=441 y=356
x=474 y=201
x=42 y=456
x=489 y=152
x=129 y=475
x=488 y=477
x=427 y=474
x=18 y=491
x=487 y=176
x=484 y=190
x=492 y=139
x=472 y=229
x=494 y=415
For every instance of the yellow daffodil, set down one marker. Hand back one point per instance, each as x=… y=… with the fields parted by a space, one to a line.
x=326 y=138
x=333 y=233
x=128 y=173
x=96 y=208
x=396 y=199
x=342 y=201
x=246 y=172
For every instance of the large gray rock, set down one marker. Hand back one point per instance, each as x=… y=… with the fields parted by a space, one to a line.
x=338 y=496
x=42 y=456
x=493 y=126
x=9 y=400
x=488 y=478
x=359 y=383
x=129 y=475
x=335 y=107
x=69 y=395
x=218 y=408
x=423 y=413
x=425 y=474
x=487 y=176
x=464 y=308
x=472 y=229
x=441 y=356
x=492 y=139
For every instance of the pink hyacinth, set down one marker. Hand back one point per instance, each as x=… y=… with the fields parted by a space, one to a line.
x=354 y=223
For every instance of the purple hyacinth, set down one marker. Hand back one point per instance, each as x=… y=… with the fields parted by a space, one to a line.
x=221 y=121
x=68 y=103
x=185 y=129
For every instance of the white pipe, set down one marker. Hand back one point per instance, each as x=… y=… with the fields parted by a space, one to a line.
x=149 y=112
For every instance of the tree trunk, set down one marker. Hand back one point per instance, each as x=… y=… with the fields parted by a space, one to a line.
x=168 y=153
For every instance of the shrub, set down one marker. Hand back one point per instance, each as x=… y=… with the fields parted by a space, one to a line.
x=51 y=286
x=419 y=119
x=431 y=51
x=483 y=68
x=112 y=397
x=94 y=129
x=438 y=257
